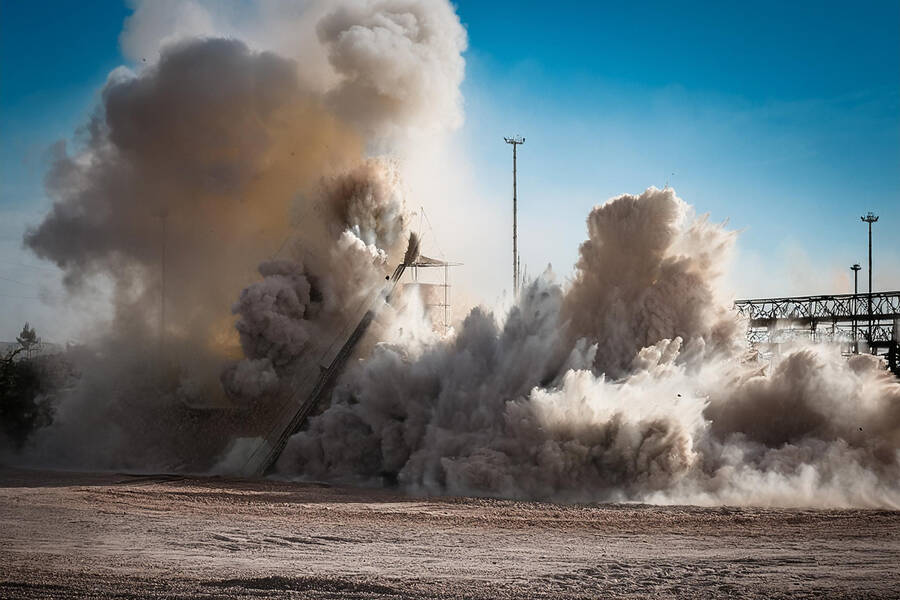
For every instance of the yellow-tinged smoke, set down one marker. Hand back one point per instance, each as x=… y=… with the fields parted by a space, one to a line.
x=217 y=157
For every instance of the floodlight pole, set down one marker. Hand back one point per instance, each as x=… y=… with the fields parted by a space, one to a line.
x=515 y=141
x=870 y=218
x=855 y=268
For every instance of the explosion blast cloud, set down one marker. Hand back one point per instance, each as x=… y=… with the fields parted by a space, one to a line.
x=629 y=385
x=264 y=168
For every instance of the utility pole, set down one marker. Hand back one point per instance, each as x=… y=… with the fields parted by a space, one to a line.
x=855 y=268
x=870 y=218
x=515 y=141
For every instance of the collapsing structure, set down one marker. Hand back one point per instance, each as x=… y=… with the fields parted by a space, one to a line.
x=435 y=297
x=295 y=415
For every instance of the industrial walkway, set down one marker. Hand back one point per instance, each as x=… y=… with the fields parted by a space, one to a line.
x=860 y=320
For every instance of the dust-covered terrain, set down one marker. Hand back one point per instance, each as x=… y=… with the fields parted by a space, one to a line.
x=229 y=215
x=71 y=535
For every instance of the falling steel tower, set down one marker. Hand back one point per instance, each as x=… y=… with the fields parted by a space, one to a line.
x=870 y=218
x=515 y=141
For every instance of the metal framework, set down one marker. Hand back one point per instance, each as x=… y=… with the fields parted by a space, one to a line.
x=882 y=335
x=828 y=318
x=813 y=310
x=293 y=415
x=444 y=307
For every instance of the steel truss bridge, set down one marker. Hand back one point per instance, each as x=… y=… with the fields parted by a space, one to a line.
x=843 y=318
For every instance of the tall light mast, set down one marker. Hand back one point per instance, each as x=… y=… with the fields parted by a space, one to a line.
x=515 y=141
x=855 y=268
x=870 y=218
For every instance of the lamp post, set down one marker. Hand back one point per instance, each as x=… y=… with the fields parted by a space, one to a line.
x=870 y=218
x=855 y=268
x=515 y=141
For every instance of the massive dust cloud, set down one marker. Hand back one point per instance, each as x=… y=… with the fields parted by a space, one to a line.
x=631 y=383
x=261 y=165
x=223 y=158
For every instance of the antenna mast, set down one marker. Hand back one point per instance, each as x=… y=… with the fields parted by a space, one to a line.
x=515 y=141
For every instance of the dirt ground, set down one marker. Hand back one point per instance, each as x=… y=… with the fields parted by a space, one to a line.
x=73 y=535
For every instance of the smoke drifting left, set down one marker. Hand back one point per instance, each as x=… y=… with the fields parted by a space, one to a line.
x=228 y=157
x=631 y=382
x=217 y=139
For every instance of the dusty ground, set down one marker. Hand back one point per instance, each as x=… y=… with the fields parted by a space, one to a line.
x=66 y=535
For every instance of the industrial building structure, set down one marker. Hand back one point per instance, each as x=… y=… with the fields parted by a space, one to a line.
x=772 y=321
x=435 y=296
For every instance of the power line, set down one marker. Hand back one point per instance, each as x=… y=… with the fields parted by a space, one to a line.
x=15 y=281
x=433 y=234
x=42 y=268
x=30 y=286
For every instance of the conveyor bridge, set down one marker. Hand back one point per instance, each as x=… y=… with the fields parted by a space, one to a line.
x=863 y=322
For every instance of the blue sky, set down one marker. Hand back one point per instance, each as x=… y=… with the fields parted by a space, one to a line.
x=53 y=59
x=783 y=118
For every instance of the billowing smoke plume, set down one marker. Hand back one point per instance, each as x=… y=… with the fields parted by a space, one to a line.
x=396 y=57
x=239 y=161
x=392 y=68
x=301 y=302
x=199 y=157
x=629 y=385
x=220 y=160
x=648 y=272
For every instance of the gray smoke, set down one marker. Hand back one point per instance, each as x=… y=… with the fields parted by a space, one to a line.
x=392 y=68
x=249 y=161
x=649 y=271
x=299 y=303
x=233 y=160
x=632 y=384
x=396 y=57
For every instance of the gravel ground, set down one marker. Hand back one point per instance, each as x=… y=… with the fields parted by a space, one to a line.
x=75 y=535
